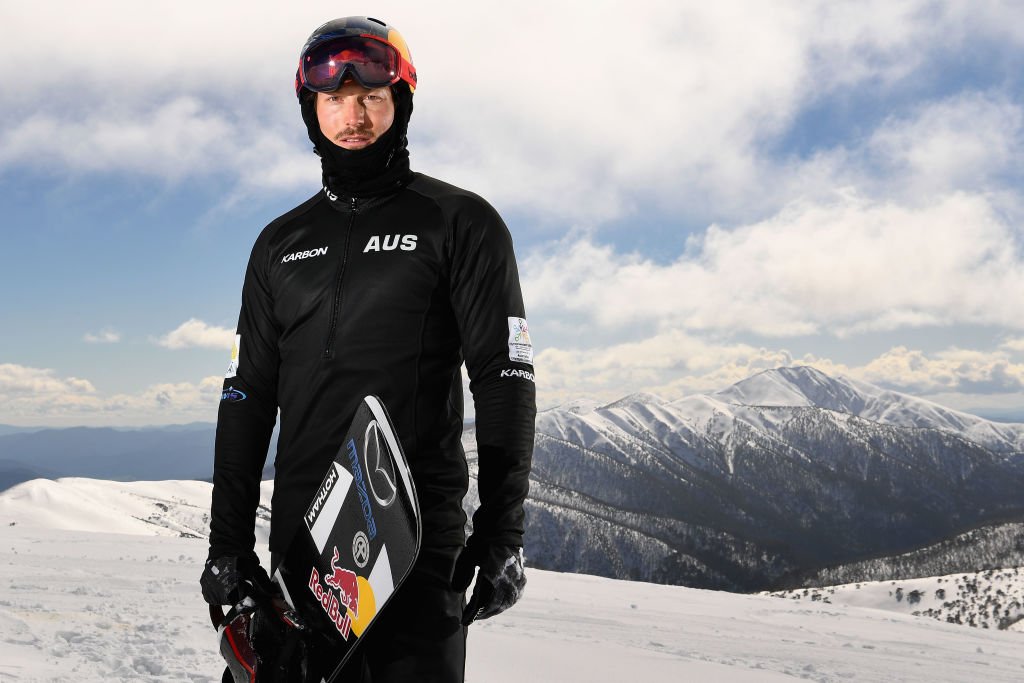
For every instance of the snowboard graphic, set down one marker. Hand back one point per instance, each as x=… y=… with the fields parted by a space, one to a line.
x=361 y=536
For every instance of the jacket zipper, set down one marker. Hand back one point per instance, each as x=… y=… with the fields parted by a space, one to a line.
x=336 y=309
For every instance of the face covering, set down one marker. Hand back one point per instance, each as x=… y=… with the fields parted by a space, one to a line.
x=378 y=169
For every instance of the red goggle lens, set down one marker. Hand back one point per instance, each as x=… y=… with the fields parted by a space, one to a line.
x=371 y=62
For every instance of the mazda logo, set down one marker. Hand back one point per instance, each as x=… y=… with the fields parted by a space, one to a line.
x=380 y=470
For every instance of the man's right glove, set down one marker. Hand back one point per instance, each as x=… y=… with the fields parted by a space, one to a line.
x=499 y=584
x=229 y=579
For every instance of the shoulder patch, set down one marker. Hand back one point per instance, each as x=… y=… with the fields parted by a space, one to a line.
x=236 y=352
x=520 y=349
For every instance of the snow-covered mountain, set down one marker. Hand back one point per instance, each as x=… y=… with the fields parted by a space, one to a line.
x=783 y=473
x=100 y=583
x=806 y=387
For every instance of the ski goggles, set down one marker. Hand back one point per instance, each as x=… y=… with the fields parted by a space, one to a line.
x=372 y=61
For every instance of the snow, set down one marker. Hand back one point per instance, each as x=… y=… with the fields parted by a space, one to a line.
x=983 y=598
x=769 y=388
x=165 y=508
x=801 y=386
x=770 y=398
x=87 y=595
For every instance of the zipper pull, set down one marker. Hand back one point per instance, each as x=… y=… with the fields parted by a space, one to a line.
x=353 y=203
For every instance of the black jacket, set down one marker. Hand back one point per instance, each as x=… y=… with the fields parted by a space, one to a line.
x=385 y=295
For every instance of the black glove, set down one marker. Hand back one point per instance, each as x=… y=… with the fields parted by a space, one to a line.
x=499 y=584
x=228 y=580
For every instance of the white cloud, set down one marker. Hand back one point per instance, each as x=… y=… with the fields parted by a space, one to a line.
x=194 y=333
x=1015 y=345
x=952 y=370
x=185 y=398
x=39 y=396
x=174 y=139
x=962 y=142
x=849 y=266
x=18 y=381
x=674 y=364
x=104 y=336
x=671 y=102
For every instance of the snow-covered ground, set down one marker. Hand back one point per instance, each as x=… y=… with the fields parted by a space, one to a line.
x=990 y=599
x=88 y=604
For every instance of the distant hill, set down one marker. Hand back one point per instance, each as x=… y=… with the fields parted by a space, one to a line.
x=11 y=429
x=105 y=453
x=143 y=454
x=990 y=547
x=13 y=472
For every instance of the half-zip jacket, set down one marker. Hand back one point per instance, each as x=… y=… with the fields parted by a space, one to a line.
x=389 y=296
x=332 y=328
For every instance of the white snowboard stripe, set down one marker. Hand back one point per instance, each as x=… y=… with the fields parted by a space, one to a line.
x=284 y=588
x=380 y=578
x=324 y=523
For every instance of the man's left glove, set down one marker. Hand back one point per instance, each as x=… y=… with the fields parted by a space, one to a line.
x=499 y=585
x=228 y=580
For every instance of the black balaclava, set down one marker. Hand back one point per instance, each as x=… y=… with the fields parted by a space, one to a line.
x=378 y=169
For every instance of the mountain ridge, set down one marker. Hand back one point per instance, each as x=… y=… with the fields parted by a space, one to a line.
x=807 y=470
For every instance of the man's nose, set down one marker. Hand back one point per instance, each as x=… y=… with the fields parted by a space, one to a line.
x=354 y=113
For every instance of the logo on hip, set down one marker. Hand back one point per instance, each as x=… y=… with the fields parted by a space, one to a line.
x=232 y=395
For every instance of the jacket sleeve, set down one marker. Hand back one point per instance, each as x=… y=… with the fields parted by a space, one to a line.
x=488 y=305
x=245 y=420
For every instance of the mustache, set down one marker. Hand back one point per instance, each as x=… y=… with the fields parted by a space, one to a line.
x=353 y=131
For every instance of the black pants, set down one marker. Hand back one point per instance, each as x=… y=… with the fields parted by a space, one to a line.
x=419 y=637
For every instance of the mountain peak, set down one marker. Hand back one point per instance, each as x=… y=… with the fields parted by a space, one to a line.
x=640 y=397
x=803 y=386
x=799 y=386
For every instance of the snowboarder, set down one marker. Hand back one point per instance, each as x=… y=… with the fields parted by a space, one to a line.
x=382 y=283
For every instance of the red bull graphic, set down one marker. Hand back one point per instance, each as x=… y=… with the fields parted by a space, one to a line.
x=344 y=581
x=342 y=603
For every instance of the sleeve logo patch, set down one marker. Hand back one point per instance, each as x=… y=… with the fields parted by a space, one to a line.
x=236 y=353
x=520 y=349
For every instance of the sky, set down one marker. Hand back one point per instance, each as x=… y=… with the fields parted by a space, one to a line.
x=696 y=191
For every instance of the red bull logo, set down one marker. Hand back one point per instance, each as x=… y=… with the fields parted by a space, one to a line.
x=344 y=581
x=342 y=603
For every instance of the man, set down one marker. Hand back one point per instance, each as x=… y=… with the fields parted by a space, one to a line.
x=382 y=283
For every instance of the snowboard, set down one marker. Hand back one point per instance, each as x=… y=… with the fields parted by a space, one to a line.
x=360 y=539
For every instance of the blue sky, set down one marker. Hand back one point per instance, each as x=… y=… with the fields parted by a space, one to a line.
x=697 y=191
